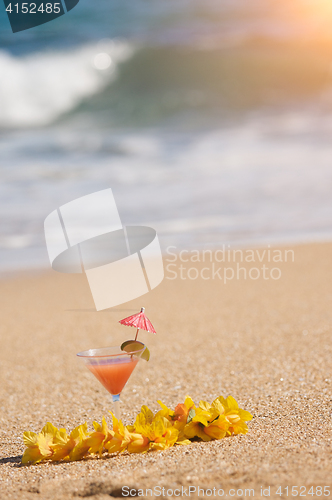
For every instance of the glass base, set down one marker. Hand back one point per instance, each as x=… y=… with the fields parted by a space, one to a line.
x=116 y=402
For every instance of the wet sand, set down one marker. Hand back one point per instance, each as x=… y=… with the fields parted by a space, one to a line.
x=267 y=342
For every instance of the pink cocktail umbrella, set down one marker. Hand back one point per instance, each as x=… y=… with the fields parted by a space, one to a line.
x=139 y=321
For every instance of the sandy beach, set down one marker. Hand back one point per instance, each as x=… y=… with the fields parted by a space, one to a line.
x=267 y=342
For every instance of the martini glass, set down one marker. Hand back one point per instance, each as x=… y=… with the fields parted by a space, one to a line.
x=112 y=367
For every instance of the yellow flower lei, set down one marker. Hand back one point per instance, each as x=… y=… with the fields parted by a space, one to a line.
x=167 y=427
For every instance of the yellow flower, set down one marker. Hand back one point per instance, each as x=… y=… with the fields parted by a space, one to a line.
x=178 y=419
x=144 y=417
x=152 y=432
x=63 y=445
x=138 y=433
x=39 y=446
x=169 y=437
x=195 y=427
x=204 y=405
x=182 y=440
x=119 y=437
x=162 y=434
x=165 y=411
x=96 y=441
x=218 y=428
x=138 y=443
x=79 y=438
x=233 y=414
x=32 y=453
x=179 y=426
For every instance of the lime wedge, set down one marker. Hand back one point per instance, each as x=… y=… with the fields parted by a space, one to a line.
x=135 y=345
x=146 y=354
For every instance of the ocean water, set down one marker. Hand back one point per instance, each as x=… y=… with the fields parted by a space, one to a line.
x=211 y=121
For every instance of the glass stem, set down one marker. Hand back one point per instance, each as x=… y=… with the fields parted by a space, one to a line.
x=116 y=401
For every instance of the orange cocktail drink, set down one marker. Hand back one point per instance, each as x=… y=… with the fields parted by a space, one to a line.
x=114 y=373
x=113 y=366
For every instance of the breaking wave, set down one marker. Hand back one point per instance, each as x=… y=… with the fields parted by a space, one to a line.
x=38 y=88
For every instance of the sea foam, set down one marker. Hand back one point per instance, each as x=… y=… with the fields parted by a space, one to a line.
x=38 y=88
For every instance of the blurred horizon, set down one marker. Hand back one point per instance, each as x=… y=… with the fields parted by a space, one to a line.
x=211 y=121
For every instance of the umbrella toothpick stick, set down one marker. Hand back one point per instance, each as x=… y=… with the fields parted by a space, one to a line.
x=140 y=321
x=142 y=311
